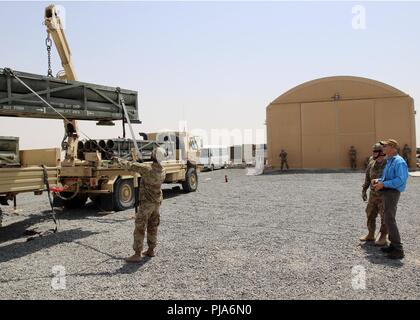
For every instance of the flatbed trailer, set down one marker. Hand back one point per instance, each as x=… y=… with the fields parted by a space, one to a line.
x=28 y=179
x=36 y=169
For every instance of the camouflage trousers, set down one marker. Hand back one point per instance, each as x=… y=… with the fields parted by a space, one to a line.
x=148 y=218
x=374 y=207
x=284 y=164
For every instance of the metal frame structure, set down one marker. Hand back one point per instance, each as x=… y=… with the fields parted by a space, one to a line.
x=93 y=101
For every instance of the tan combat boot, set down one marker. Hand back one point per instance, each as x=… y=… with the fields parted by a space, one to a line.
x=369 y=237
x=136 y=257
x=149 y=253
x=381 y=240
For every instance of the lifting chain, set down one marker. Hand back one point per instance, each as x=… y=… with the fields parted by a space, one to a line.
x=48 y=43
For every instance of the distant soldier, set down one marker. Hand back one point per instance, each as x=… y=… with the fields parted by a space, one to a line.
x=148 y=217
x=406 y=154
x=375 y=204
x=283 y=159
x=353 y=157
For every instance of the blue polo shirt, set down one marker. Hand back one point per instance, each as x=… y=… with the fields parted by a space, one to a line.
x=395 y=173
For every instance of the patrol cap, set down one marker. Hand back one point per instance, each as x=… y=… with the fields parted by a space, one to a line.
x=377 y=147
x=390 y=142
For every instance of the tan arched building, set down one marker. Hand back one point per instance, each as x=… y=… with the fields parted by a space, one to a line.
x=318 y=121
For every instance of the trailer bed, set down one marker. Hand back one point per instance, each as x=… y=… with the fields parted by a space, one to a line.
x=26 y=179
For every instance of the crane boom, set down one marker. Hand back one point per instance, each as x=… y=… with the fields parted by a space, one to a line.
x=55 y=29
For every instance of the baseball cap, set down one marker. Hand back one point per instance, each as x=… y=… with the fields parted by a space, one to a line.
x=390 y=142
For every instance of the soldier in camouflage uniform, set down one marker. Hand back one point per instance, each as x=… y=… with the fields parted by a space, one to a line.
x=283 y=160
x=1 y=217
x=375 y=204
x=406 y=154
x=148 y=217
x=353 y=157
x=368 y=159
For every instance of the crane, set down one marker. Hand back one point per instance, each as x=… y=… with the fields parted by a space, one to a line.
x=56 y=32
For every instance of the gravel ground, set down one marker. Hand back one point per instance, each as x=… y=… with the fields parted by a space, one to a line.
x=289 y=236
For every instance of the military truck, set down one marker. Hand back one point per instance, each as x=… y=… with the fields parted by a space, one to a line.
x=112 y=187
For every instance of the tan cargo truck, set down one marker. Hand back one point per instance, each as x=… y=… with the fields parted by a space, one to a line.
x=113 y=188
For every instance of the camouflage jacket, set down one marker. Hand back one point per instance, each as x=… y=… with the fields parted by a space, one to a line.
x=373 y=171
x=283 y=156
x=152 y=177
x=352 y=154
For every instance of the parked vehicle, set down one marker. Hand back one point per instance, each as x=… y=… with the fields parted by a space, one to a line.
x=214 y=157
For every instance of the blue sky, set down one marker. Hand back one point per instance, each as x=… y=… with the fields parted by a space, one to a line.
x=215 y=64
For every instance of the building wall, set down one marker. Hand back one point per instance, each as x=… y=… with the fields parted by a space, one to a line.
x=318 y=134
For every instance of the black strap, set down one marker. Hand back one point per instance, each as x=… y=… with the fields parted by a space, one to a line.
x=47 y=184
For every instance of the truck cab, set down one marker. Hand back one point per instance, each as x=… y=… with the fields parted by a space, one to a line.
x=179 y=146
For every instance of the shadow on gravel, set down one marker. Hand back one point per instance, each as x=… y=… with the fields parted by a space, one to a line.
x=16 y=230
x=97 y=250
x=44 y=220
x=19 y=250
x=90 y=210
x=375 y=256
x=127 y=268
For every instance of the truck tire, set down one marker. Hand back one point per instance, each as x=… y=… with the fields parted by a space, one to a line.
x=105 y=202
x=77 y=202
x=124 y=194
x=191 y=181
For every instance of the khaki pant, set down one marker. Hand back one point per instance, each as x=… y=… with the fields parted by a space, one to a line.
x=148 y=218
x=374 y=207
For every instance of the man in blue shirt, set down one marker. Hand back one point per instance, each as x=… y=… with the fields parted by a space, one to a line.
x=391 y=184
